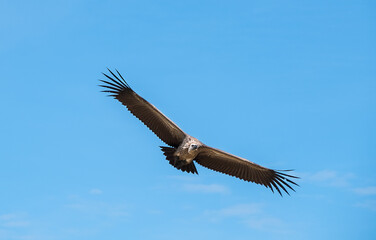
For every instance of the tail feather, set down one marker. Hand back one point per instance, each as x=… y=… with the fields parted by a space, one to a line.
x=169 y=153
x=189 y=168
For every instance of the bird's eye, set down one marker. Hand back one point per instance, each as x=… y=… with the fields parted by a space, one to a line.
x=194 y=147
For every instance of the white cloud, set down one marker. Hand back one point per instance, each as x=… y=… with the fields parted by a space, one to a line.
x=96 y=191
x=251 y=214
x=190 y=183
x=205 y=188
x=366 y=190
x=8 y=216
x=368 y=204
x=98 y=208
x=16 y=224
x=13 y=220
x=239 y=210
x=324 y=175
x=331 y=178
x=266 y=223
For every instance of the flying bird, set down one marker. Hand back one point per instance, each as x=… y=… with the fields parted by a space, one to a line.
x=184 y=150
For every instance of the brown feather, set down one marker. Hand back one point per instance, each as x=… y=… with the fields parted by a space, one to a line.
x=156 y=121
x=241 y=168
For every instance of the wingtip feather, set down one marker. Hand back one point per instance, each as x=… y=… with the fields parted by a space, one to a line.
x=115 y=83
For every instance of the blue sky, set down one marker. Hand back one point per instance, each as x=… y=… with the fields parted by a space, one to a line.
x=284 y=84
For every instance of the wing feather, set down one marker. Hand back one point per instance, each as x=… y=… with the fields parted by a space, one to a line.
x=155 y=120
x=241 y=168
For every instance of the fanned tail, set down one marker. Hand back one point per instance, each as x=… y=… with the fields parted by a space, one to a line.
x=169 y=153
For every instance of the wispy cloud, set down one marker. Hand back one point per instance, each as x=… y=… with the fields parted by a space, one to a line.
x=368 y=204
x=205 y=188
x=239 y=210
x=99 y=208
x=95 y=191
x=266 y=224
x=251 y=214
x=330 y=177
x=94 y=207
x=8 y=216
x=15 y=226
x=366 y=190
x=13 y=220
x=192 y=184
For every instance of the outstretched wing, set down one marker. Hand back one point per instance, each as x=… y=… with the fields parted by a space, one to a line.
x=156 y=121
x=223 y=162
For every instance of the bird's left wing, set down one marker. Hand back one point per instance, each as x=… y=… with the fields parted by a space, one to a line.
x=156 y=121
x=226 y=163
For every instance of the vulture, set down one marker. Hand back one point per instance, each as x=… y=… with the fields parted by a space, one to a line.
x=184 y=150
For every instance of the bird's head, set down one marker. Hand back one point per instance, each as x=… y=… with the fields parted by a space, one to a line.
x=192 y=148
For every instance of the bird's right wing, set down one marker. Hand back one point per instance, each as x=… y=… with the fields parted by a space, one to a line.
x=226 y=163
x=156 y=121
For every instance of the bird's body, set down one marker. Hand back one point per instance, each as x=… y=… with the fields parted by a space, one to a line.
x=188 y=150
x=182 y=157
x=184 y=149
